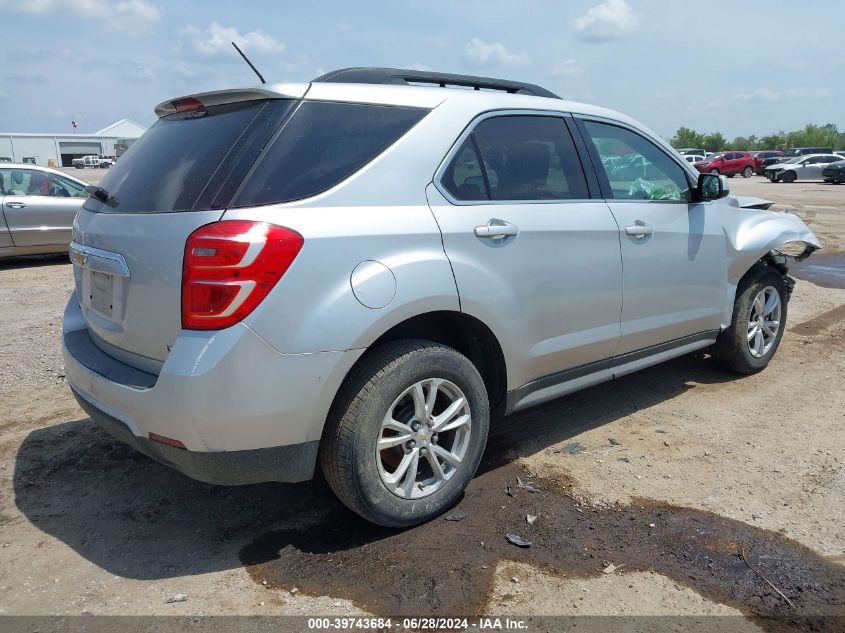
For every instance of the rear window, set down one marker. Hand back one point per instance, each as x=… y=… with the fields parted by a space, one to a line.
x=186 y=159
x=322 y=144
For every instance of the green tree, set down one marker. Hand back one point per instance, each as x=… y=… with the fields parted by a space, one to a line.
x=685 y=137
x=714 y=142
x=811 y=135
x=772 y=141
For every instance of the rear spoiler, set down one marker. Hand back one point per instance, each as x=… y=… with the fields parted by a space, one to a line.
x=220 y=97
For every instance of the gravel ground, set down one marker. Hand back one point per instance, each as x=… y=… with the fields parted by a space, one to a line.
x=87 y=525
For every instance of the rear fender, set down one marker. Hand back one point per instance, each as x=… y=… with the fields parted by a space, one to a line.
x=752 y=232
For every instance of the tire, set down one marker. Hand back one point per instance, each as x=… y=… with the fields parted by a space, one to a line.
x=714 y=171
x=789 y=177
x=747 y=172
x=383 y=384
x=733 y=349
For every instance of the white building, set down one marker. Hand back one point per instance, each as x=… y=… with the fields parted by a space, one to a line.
x=63 y=148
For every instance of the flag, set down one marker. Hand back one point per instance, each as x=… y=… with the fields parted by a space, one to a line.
x=73 y=123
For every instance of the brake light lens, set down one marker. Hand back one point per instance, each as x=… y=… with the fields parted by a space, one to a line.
x=187 y=104
x=230 y=267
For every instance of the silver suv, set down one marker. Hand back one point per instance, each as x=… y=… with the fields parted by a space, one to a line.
x=359 y=270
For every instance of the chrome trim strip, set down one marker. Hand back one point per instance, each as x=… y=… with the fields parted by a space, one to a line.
x=98 y=260
x=581 y=371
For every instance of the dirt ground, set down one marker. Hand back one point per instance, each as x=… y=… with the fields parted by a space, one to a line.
x=673 y=475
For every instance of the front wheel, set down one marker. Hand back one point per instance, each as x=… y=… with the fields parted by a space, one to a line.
x=714 y=171
x=747 y=172
x=758 y=323
x=406 y=433
x=789 y=177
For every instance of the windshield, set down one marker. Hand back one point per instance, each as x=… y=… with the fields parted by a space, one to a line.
x=795 y=159
x=715 y=156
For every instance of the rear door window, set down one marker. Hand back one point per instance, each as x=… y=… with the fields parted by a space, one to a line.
x=529 y=157
x=322 y=144
x=463 y=177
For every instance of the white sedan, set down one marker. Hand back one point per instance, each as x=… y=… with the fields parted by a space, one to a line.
x=801 y=168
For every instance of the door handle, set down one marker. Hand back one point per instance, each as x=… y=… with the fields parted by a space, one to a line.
x=496 y=229
x=15 y=205
x=639 y=230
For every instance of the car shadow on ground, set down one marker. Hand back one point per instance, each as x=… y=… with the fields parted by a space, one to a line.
x=33 y=261
x=138 y=519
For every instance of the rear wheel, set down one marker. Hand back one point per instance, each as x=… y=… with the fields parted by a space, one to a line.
x=747 y=172
x=789 y=177
x=406 y=433
x=757 y=326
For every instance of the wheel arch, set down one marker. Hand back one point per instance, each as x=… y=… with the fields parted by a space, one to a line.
x=466 y=334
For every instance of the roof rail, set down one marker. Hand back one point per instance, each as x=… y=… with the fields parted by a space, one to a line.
x=401 y=76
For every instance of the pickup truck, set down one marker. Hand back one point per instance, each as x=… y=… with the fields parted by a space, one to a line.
x=93 y=162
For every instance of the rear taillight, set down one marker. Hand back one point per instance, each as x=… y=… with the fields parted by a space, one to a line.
x=230 y=267
x=187 y=104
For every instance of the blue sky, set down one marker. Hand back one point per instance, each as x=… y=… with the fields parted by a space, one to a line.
x=739 y=68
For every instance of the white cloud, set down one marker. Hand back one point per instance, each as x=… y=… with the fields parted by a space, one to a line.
x=609 y=20
x=477 y=52
x=761 y=96
x=138 y=12
x=129 y=15
x=217 y=40
x=566 y=68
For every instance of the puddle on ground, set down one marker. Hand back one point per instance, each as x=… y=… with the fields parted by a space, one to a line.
x=824 y=269
x=446 y=568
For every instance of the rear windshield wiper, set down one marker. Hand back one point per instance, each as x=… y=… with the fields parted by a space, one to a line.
x=102 y=195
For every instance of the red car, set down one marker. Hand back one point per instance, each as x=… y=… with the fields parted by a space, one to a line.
x=764 y=158
x=728 y=164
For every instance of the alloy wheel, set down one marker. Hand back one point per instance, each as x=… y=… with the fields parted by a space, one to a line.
x=424 y=438
x=764 y=321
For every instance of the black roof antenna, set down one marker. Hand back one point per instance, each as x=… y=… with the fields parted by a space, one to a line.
x=246 y=59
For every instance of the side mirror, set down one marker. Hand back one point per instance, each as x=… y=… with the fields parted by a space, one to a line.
x=711 y=187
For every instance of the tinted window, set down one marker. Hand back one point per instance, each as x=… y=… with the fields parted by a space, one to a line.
x=636 y=168
x=530 y=158
x=322 y=144
x=169 y=167
x=463 y=177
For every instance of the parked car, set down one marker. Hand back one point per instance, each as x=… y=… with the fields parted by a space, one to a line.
x=38 y=206
x=764 y=158
x=728 y=164
x=693 y=158
x=806 y=151
x=801 y=168
x=834 y=172
x=767 y=162
x=842 y=153
x=93 y=161
x=356 y=273
x=693 y=151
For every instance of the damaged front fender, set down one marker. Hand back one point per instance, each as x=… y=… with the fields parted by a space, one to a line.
x=752 y=232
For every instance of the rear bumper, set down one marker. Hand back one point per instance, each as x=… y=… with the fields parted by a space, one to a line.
x=227 y=468
x=244 y=411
